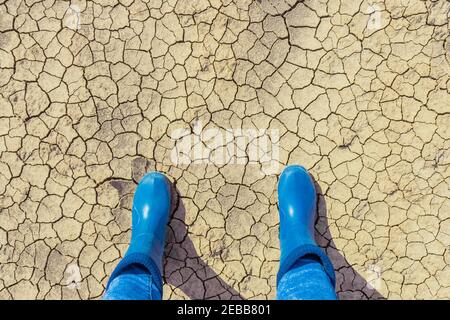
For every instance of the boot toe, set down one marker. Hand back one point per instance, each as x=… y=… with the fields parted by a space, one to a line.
x=152 y=195
x=296 y=192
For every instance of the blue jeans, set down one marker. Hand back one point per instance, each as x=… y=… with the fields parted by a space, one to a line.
x=306 y=280
x=133 y=283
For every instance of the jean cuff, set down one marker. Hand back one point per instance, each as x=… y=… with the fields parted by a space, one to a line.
x=143 y=260
x=301 y=251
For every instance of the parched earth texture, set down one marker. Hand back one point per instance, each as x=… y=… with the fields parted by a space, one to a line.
x=358 y=92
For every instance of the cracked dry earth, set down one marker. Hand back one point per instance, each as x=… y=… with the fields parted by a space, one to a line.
x=359 y=98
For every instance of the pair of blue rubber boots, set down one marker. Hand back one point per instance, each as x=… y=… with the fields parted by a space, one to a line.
x=297 y=208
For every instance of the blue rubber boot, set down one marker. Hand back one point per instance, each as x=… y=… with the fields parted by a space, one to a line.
x=150 y=215
x=297 y=207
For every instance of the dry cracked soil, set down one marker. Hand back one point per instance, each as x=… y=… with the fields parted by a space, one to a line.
x=356 y=91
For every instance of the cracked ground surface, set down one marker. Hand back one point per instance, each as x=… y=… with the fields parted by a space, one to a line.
x=358 y=91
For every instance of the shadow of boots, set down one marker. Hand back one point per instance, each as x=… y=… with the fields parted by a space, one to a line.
x=350 y=285
x=183 y=268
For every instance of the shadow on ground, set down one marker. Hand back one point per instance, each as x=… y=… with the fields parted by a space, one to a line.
x=350 y=284
x=184 y=268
